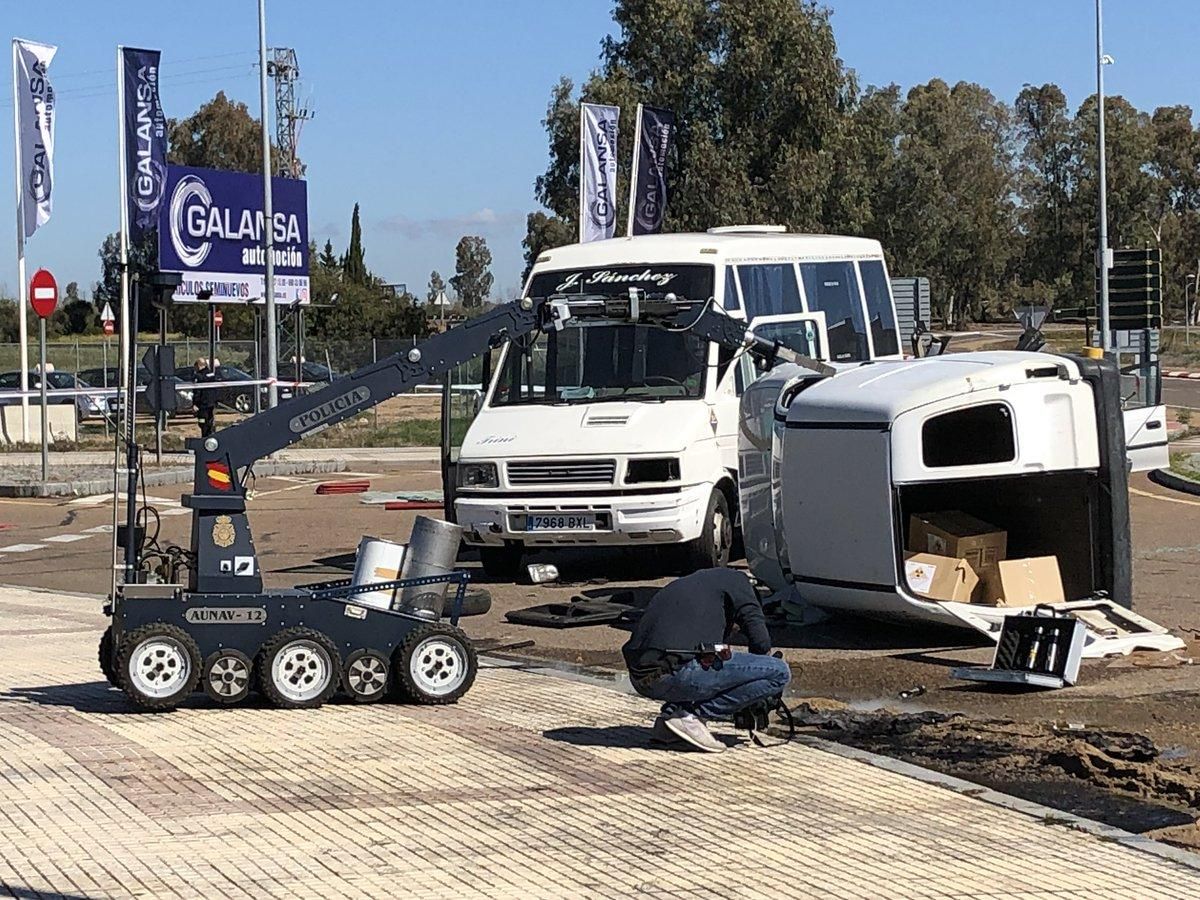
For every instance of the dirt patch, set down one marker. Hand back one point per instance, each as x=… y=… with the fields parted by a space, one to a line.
x=1118 y=777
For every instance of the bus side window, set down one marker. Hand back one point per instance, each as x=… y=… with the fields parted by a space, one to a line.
x=770 y=290
x=879 y=307
x=731 y=300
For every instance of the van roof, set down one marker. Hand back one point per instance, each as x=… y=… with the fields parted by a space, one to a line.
x=879 y=391
x=739 y=246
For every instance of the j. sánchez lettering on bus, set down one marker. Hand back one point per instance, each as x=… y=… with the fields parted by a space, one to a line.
x=607 y=276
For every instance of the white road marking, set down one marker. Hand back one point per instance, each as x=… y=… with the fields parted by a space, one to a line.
x=99 y=529
x=107 y=499
x=174 y=511
x=66 y=538
x=21 y=548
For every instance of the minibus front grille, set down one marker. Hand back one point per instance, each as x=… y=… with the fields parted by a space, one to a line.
x=581 y=471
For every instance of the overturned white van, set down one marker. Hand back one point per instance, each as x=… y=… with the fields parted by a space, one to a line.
x=834 y=467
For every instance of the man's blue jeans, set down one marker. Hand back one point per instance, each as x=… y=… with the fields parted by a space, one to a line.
x=719 y=691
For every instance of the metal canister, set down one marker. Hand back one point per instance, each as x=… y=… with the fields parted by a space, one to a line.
x=377 y=561
x=432 y=550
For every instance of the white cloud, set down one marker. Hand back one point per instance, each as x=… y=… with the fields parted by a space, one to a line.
x=484 y=222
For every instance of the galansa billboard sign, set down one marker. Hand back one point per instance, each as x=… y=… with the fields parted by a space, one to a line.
x=210 y=229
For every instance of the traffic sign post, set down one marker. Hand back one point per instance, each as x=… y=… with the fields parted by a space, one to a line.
x=43 y=297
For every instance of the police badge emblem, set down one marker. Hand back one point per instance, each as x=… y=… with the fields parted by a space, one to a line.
x=223 y=534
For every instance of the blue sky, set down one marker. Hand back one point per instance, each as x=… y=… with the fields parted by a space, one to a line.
x=429 y=113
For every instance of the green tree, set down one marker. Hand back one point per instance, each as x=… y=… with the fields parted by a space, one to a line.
x=1045 y=133
x=1175 y=206
x=437 y=287
x=143 y=261
x=862 y=161
x=328 y=259
x=74 y=315
x=760 y=97
x=353 y=263
x=953 y=190
x=1131 y=190
x=362 y=312
x=10 y=322
x=472 y=279
x=221 y=134
x=542 y=233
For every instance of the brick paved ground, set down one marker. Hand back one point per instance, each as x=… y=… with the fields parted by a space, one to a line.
x=532 y=786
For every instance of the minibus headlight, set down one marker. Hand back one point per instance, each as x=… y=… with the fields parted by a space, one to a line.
x=478 y=475
x=665 y=468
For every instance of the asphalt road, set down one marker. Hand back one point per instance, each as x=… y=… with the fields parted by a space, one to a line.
x=304 y=537
x=1181 y=392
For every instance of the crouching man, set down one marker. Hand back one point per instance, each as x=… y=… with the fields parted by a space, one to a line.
x=672 y=655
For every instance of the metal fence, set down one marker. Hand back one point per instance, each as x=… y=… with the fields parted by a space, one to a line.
x=78 y=356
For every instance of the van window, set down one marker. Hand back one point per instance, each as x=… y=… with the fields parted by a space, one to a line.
x=769 y=290
x=832 y=288
x=731 y=293
x=879 y=307
x=969 y=437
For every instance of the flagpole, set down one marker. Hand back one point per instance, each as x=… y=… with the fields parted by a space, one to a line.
x=123 y=337
x=22 y=288
x=633 y=172
x=268 y=215
x=582 y=165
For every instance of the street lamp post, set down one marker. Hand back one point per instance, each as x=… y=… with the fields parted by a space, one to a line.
x=1102 y=252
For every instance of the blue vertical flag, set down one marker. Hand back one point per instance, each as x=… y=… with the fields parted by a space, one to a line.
x=648 y=197
x=145 y=140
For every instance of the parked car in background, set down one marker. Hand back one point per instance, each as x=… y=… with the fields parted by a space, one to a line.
x=60 y=388
x=110 y=377
x=234 y=394
x=314 y=375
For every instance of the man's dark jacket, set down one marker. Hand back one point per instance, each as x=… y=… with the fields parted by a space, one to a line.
x=692 y=612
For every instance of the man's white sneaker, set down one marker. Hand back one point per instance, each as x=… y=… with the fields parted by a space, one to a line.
x=695 y=732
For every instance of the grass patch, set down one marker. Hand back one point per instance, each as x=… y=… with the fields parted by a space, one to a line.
x=1186 y=465
x=361 y=432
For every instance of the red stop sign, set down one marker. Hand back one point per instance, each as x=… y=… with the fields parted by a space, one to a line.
x=43 y=293
x=218 y=319
x=108 y=326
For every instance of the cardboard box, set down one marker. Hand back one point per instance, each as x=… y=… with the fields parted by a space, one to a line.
x=1029 y=581
x=961 y=536
x=940 y=577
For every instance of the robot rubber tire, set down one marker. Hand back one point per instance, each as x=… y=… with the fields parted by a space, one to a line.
x=365 y=679
x=227 y=676
x=158 y=666
x=298 y=668
x=435 y=664
x=105 y=653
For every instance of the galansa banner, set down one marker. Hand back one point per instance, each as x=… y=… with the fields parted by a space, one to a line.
x=656 y=132
x=35 y=131
x=145 y=140
x=210 y=229
x=598 y=171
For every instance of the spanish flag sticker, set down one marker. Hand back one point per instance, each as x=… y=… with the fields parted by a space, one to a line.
x=218 y=476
